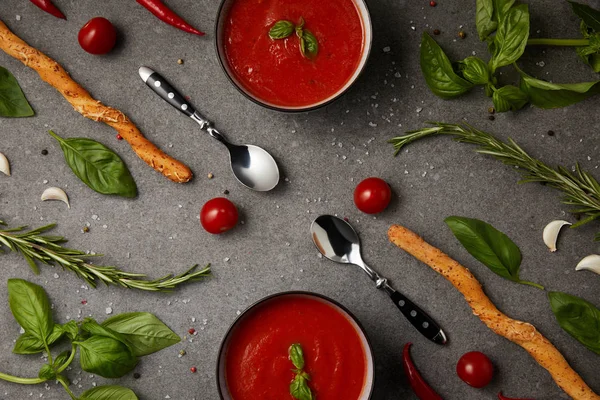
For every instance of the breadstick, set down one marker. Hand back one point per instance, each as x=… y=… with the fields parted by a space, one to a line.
x=522 y=333
x=51 y=72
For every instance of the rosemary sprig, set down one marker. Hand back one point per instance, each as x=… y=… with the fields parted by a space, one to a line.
x=36 y=247
x=581 y=190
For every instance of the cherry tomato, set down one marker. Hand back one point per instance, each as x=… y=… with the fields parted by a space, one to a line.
x=372 y=195
x=98 y=36
x=218 y=215
x=475 y=368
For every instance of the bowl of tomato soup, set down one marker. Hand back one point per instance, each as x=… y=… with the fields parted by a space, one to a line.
x=316 y=52
x=255 y=359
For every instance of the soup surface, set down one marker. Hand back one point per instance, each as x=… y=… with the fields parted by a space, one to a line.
x=275 y=71
x=257 y=363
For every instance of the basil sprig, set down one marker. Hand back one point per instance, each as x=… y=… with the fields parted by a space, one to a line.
x=578 y=317
x=299 y=388
x=110 y=349
x=309 y=46
x=489 y=246
x=12 y=100
x=97 y=166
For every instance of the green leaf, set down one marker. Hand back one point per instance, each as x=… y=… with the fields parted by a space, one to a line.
x=31 y=308
x=281 y=30
x=501 y=8
x=47 y=372
x=511 y=37
x=12 y=100
x=144 y=332
x=109 y=393
x=71 y=329
x=438 y=71
x=299 y=388
x=311 y=44
x=62 y=358
x=578 y=317
x=475 y=70
x=554 y=95
x=106 y=357
x=589 y=15
x=27 y=343
x=93 y=328
x=483 y=18
x=509 y=98
x=97 y=166
x=591 y=54
x=489 y=246
x=297 y=356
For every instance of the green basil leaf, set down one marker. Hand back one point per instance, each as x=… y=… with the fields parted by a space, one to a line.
x=281 y=30
x=109 y=393
x=544 y=94
x=95 y=329
x=106 y=357
x=312 y=46
x=489 y=246
x=31 y=308
x=29 y=344
x=578 y=317
x=97 y=166
x=297 y=356
x=483 y=18
x=144 y=332
x=511 y=37
x=509 y=98
x=71 y=329
x=591 y=54
x=62 y=358
x=438 y=71
x=589 y=15
x=475 y=70
x=501 y=7
x=299 y=388
x=46 y=372
x=12 y=100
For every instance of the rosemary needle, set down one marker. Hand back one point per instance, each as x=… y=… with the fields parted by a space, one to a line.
x=36 y=247
x=581 y=190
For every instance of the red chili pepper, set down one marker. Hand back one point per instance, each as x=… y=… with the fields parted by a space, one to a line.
x=164 y=13
x=501 y=397
x=50 y=8
x=417 y=383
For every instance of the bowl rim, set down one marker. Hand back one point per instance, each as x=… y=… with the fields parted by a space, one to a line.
x=287 y=293
x=368 y=24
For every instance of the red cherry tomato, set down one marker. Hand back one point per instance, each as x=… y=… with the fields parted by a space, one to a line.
x=372 y=195
x=98 y=36
x=218 y=215
x=475 y=368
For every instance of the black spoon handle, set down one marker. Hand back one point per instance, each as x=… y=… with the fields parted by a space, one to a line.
x=163 y=88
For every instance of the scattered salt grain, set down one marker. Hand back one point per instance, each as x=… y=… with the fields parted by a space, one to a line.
x=109 y=310
x=387 y=49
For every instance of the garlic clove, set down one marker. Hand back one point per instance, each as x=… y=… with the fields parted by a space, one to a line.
x=551 y=232
x=54 y=193
x=4 y=165
x=590 y=263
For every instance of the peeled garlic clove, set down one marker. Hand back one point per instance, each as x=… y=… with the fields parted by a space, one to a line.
x=4 y=165
x=551 y=233
x=54 y=193
x=591 y=263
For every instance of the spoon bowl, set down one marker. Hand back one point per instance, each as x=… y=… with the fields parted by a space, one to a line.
x=253 y=167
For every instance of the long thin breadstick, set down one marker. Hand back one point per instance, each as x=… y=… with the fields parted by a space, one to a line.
x=521 y=333
x=51 y=72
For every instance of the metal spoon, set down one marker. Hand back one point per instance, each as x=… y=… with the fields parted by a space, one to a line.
x=252 y=166
x=337 y=240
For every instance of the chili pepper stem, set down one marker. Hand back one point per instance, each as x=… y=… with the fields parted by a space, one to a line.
x=558 y=42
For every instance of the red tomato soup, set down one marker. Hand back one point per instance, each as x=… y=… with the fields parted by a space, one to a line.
x=275 y=71
x=257 y=365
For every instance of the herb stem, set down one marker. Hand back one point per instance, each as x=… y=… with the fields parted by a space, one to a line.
x=19 y=380
x=64 y=385
x=535 y=285
x=69 y=360
x=558 y=42
x=48 y=352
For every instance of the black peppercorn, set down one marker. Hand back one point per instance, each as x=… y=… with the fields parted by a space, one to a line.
x=136 y=376
x=44 y=152
x=436 y=32
x=550 y=133
x=491 y=118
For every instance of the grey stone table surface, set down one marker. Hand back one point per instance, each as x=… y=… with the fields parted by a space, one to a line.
x=323 y=155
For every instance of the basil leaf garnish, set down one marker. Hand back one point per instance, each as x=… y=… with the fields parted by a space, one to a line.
x=578 y=317
x=511 y=37
x=97 y=166
x=311 y=44
x=31 y=308
x=109 y=393
x=27 y=343
x=489 y=246
x=553 y=95
x=299 y=388
x=509 y=98
x=590 y=54
x=438 y=71
x=589 y=15
x=501 y=7
x=106 y=357
x=475 y=70
x=12 y=100
x=483 y=18
x=297 y=356
x=47 y=372
x=144 y=332
x=281 y=30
